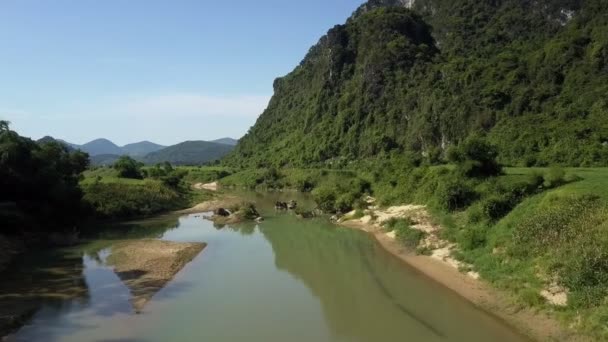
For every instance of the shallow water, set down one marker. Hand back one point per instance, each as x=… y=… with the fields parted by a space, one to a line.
x=285 y=279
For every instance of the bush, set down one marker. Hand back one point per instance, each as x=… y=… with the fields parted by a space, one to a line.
x=128 y=167
x=475 y=157
x=554 y=177
x=120 y=200
x=472 y=238
x=407 y=235
x=496 y=207
x=345 y=203
x=454 y=194
x=325 y=197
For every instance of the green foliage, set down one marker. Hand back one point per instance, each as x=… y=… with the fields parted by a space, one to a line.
x=454 y=194
x=325 y=197
x=128 y=167
x=407 y=235
x=121 y=200
x=554 y=177
x=39 y=184
x=521 y=72
x=475 y=157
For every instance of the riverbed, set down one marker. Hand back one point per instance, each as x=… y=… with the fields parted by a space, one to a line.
x=284 y=279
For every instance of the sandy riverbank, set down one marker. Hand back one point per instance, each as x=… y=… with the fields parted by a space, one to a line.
x=146 y=266
x=444 y=269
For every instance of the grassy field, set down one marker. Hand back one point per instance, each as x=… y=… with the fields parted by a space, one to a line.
x=117 y=198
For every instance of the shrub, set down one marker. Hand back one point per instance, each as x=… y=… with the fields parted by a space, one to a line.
x=345 y=202
x=454 y=194
x=472 y=238
x=554 y=177
x=475 y=157
x=120 y=200
x=531 y=297
x=325 y=197
x=496 y=207
x=128 y=167
x=407 y=235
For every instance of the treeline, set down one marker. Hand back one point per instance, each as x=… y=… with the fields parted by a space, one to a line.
x=128 y=189
x=39 y=187
x=43 y=188
x=530 y=75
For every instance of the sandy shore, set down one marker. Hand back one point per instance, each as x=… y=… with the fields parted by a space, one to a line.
x=536 y=325
x=208 y=206
x=146 y=266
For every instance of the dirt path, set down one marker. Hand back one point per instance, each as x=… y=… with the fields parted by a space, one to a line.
x=443 y=268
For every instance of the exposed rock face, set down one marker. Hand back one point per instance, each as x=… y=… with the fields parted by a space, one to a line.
x=147 y=266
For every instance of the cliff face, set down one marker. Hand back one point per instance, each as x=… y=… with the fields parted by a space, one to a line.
x=531 y=75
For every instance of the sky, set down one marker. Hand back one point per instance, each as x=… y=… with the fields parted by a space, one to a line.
x=164 y=71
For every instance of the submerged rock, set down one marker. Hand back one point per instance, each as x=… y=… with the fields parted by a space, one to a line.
x=147 y=266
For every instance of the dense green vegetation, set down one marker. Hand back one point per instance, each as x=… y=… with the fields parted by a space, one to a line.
x=128 y=189
x=45 y=188
x=523 y=229
x=38 y=184
x=530 y=75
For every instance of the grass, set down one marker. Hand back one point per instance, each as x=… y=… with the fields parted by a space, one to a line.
x=556 y=235
x=117 y=198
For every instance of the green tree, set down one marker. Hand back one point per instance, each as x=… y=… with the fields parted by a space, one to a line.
x=128 y=167
x=39 y=184
x=475 y=157
x=4 y=125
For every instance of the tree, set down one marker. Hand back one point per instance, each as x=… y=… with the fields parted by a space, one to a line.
x=39 y=184
x=4 y=125
x=475 y=157
x=128 y=167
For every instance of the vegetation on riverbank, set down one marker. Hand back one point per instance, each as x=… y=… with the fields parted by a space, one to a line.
x=145 y=191
x=525 y=230
x=39 y=188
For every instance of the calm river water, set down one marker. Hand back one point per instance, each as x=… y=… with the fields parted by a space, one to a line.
x=285 y=279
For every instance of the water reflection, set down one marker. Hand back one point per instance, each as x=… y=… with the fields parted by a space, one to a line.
x=285 y=279
x=367 y=294
x=59 y=280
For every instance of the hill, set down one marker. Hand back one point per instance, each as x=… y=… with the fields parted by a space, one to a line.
x=189 y=153
x=530 y=75
x=226 y=141
x=48 y=139
x=141 y=149
x=103 y=159
x=101 y=146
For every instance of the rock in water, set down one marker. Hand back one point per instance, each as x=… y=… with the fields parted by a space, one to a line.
x=147 y=266
x=222 y=212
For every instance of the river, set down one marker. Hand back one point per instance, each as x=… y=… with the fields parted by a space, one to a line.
x=285 y=279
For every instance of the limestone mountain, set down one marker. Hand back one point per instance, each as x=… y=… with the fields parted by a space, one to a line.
x=418 y=76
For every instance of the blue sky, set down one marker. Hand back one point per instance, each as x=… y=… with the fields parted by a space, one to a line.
x=165 y=71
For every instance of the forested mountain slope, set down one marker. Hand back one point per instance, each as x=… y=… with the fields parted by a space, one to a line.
x=189 y=153
x=531 y=75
